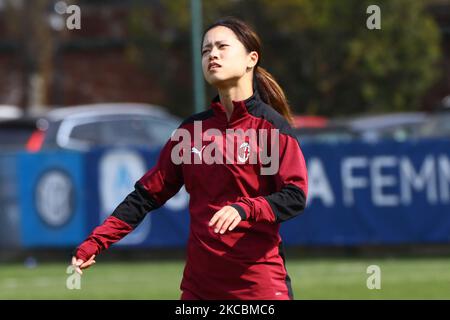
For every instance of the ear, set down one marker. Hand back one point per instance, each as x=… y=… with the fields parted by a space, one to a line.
x=253 y=58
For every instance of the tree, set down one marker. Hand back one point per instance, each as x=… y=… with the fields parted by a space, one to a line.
x=321 y=52
x=160 y=44
x=340 y=66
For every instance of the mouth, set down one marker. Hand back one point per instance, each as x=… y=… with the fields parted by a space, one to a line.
x=213 y=66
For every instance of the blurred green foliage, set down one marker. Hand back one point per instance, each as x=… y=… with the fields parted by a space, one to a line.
x=321 y=52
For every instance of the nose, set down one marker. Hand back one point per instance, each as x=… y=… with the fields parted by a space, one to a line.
x=213 y=54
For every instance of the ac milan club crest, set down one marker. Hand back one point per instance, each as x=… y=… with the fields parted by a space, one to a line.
x=244 y=152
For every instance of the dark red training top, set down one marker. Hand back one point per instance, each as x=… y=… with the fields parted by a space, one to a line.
x=248 y=262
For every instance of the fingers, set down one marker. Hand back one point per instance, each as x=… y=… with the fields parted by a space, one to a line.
x=76 y=263
x=234 y=223
x=91 y=259
x=88 y=263
x=216 y=217
x=225 y=219
x=79 y=264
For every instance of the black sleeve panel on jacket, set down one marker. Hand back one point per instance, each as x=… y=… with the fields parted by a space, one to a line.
x=135 y=207
x=288 y=203
x=240 y=210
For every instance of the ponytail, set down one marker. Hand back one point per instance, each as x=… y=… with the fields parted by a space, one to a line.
x=271 y=93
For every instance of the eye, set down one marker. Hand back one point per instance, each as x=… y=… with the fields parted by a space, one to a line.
x=204 y=51
x=223 y=45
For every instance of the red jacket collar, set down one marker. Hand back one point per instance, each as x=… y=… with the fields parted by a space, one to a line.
x=241 y=108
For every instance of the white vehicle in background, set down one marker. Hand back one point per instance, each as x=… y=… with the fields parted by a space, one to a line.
x=106 y=124
x=396 y=126
x=438 y=123
x=8 y=112
x=436 y=126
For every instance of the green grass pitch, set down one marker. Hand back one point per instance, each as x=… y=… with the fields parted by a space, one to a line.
x=340 y=278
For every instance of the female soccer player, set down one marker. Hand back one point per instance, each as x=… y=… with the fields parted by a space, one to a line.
x=234 y=248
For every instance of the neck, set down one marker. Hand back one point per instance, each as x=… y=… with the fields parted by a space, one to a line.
x=235 y=93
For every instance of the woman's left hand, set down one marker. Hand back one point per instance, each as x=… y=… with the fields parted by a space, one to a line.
x=225 y=219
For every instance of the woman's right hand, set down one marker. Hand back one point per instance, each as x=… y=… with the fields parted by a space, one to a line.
x=79 y=264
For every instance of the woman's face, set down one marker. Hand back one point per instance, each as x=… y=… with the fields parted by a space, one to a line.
x=225 y=60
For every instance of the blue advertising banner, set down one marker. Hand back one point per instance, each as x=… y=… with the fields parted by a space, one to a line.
x=116 y=171
x=52 y=199
x=385 y=193
x=359 y=193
